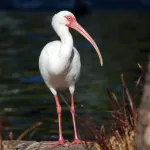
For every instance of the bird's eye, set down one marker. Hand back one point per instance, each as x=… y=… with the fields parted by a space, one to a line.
x=69 y=18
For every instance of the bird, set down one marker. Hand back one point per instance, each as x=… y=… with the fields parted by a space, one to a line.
x=60 y=65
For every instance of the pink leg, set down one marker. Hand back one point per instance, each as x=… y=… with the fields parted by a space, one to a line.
x=58 y=107
x=61 y=140
x=72 y=110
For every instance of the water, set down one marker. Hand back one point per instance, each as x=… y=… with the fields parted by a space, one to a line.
x=123 y=37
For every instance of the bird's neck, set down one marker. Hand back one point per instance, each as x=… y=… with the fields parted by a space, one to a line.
x=65 y=50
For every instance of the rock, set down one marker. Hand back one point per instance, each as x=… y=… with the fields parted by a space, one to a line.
x=44 y=145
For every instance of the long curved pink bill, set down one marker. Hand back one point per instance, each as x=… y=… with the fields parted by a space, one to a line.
x=80 y=29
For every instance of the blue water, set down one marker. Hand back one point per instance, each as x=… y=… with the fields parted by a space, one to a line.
x=56 y=5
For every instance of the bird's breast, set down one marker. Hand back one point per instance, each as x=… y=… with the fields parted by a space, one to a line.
x=59 y=81
x=59 y=67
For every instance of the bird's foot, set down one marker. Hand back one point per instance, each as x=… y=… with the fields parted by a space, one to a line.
x=78 y=141
x=57 y=143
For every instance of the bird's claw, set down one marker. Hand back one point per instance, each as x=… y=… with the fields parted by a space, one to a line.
x=78 y=141
x=57 y=143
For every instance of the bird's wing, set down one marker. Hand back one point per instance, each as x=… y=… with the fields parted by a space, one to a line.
x=47 y=54
x=75 y=65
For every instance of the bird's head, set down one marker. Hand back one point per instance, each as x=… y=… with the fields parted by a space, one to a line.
x=65 y=19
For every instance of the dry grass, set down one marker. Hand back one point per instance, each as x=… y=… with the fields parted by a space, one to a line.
x=118 y=142
x=122 y=131
x=11 y=143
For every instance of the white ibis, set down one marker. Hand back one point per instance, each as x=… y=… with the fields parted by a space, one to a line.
x=59 y=64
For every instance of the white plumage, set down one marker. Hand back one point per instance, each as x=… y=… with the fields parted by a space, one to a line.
x=59 y=71
x=59 y=63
